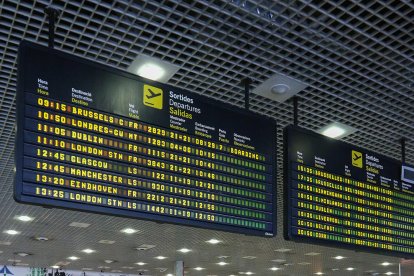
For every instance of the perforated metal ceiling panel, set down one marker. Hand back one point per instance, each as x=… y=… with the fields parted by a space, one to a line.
x=356 y=57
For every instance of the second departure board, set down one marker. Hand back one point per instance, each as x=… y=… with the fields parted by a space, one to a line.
x=341 y=195
x=96 y=139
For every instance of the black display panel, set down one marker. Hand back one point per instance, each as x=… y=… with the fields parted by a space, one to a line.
x=96 y=139
x=344 y=196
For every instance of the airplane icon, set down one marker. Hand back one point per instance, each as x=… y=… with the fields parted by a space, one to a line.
x=153 y=94
x=356 y=157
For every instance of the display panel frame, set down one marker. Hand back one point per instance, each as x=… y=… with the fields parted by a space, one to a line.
x=288 y=190
x=23 y=58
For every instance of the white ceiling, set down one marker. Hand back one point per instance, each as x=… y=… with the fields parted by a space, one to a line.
x=356 y=56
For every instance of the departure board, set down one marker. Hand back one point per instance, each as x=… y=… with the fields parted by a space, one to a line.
x=341 y=195
x=96 y=139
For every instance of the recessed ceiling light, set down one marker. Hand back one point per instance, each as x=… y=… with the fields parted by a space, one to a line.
x=129 y=231
x=109 y=261
x=213 y=241
x=151 y=71
x=336 y=130
x=249 y=257
x=106 y=242
x=79 y=224
x=312 y=254
x=88 y=251
x=73 y=258
x=199 y=268
x=169 y=274
x=184 y=250
x=279 y=260
x=386 y=264
x=283 y=250
x=152 y=68
x=12 y=232
x=160 y=257
x=350 y=268
x=335 y=269
x=222 y=263
x=24 y=218
x=55 y=266
x=42 y=239
x=338 y=257
x=141 y=263
x=23 y=254
x=144 y=247
x=275 y=268
x=389 y=273
x=319 y=273
x=249 y=273
x=279 y=88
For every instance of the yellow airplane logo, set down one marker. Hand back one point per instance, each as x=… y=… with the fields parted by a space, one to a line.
x=357 y=159
x=153 y=96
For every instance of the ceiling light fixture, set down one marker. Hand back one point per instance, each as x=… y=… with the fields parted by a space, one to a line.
x=319 y=273
x=350 y=268
x=151 y=71
x=389 y=273
x=338 y=257
x=141 y=263
x=279 y=88
x=12 y=232
x=249 y=257
x=222 y=263
x=42 y=239
x=213 y=241
x=24 y=218
x=88 y=251
x=160 y=257
x=336 y=130
x=106 y=242
x=109 y=261
x=249 y=273
x=55 y=266
x=184 y=250
x=23 y=254
x=153 y=68
x=386 y=264
x=312 y=254
x=79 y=224
x=283 y=250
x=129 y=231
x=73 y=258
x=198 y=268
x=275 y=268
